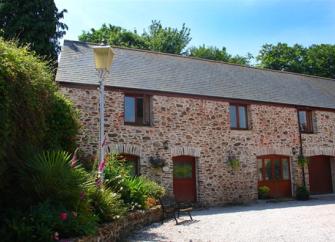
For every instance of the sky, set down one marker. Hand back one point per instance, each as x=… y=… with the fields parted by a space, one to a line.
x=241 y=26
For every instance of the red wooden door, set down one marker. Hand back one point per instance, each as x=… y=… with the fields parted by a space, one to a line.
x=320 y=179
x=274 y=172
x=184 y=187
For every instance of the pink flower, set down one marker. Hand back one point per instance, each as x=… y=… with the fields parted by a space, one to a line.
x=98 y=182
x=74 y=159
x=63 y=216
x=101 y=166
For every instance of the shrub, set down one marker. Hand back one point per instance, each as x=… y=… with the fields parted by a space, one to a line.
x=46 y=221
x=263 y=192
x=107 y=205
x=34 y=116
x=51 y=176
x=302 y=193
x=152 y=189
x=134 y=191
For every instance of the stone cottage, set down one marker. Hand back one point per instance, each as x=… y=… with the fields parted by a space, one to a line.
x=218 y=130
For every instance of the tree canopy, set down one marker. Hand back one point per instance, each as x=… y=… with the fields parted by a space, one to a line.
x=214 y=53
x=34 y=22
x=316 y=60
x=156 y=38
x=162 y=39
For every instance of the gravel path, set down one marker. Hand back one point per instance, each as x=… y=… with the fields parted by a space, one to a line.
x=313 y=220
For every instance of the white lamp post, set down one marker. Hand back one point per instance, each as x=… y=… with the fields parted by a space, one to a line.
x=103 y=56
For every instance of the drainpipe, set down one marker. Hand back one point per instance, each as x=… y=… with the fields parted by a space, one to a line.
x=301 y=151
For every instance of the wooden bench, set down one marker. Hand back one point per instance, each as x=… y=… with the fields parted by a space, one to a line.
x=171 y=207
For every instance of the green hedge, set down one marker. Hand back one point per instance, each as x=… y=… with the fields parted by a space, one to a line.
x=34 y=116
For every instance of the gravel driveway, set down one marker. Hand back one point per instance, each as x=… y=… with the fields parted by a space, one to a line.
x=313 y=220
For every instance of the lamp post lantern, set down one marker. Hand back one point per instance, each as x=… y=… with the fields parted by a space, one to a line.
x=103 y=56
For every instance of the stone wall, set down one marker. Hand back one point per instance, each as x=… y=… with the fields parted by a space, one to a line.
x=120 y=229
x=200 y=128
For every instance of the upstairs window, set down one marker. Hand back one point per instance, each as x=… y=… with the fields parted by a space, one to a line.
x=238 y=116
x=305 y=121
x=137 y=109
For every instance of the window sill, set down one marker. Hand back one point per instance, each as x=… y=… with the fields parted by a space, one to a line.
x=137 y=124
x=240 y=129
x=306 y=132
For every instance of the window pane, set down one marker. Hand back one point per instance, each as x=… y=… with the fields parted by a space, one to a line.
x=303 y=120
x=233 y=118
x=182 y=170
x=286 y=170
x=242 y=116
x=277 y=175
x=139 y=106
x=268 y=169
x=129 y=109
x=260 y=170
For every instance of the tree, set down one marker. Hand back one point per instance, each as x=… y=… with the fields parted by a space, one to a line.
x=33 y=22
x=214 y=53
x=282 y=57
x=114 y=35
x=168 y=40
x=320 y=60
x=316 y=60
x=157 y=38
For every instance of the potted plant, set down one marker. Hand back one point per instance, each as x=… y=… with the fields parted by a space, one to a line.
x=263 y=192
x=234 y=163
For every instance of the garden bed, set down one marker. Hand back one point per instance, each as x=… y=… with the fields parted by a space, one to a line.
x=122 y=227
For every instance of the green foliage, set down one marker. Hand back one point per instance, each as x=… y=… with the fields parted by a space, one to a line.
x=263 y=192
x=234 y=163
x=34 y=116
x=107 y=205
x=114 y=35
x=35 y=22
x=50 y=177
x=302 y=193
x=167 y=39
x=157 y=38
x=316 y=60
x=151 y=188
x=214 y=53
x=134 y=191
x=43 y=221
x=64 y=117
x=302 y=160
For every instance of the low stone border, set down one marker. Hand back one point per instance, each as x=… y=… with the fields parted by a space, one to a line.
x=120 y=229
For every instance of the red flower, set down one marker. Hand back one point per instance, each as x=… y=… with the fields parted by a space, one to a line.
x=63 y=216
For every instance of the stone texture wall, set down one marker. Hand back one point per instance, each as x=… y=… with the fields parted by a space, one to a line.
x=120 y=229
x=200 y=128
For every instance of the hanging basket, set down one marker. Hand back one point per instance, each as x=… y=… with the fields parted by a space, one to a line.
x=234 y=163
x=156 y=162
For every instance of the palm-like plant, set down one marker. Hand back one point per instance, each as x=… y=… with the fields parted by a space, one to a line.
x=51 y=176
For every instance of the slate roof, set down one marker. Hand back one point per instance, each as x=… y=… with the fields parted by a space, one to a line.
x=154 y=71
